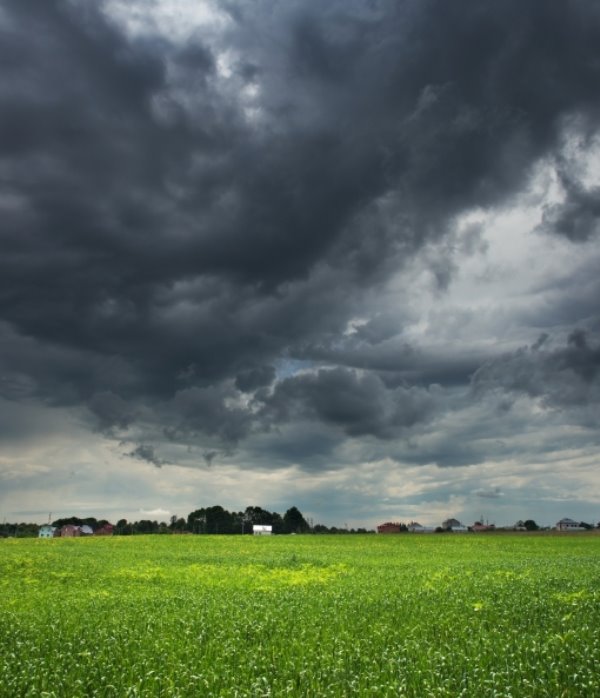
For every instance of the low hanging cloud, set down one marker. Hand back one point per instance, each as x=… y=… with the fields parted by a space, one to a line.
x=144 y=452
x=493 y=493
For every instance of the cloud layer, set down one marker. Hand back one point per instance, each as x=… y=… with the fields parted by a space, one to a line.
x=307 y=236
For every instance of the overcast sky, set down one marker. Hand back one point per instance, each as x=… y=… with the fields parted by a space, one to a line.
x=337 y=254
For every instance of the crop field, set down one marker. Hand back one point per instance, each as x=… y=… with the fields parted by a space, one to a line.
x=399 y=615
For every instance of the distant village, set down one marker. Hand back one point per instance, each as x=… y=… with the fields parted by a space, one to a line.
x=258 y=521
x=455 y=526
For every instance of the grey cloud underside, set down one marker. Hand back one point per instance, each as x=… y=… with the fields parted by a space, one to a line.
x=560 y=377
x=318 y=411
x=360 y=405
x=162 y=249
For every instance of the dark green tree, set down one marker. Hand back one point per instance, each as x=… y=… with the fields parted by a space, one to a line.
x=91 y=521
x=177 y=524
x=73 y=520
x=219 y=520
x=277 y=523
x=21 y=530
x=145 y=526
x=259 y=516
x=294 y=522
x=123 y=528
x=320 y=528
x=196 y=521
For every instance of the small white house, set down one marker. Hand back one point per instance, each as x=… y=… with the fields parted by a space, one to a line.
x=416 y=527
x=568 y=525
x=261 y=530
x=46 y=531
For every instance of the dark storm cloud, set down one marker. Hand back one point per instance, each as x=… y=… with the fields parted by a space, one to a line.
x=561 y=377
x=578 y=217
x=111 y=411
x=208 y=411
x=169 y=233
x=56 y=372
x=359 y=405
x=395 y=361
x=250 y=380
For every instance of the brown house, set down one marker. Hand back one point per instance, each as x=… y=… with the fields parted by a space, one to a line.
x=390 y=527
x=70 y=531
x=479 y=527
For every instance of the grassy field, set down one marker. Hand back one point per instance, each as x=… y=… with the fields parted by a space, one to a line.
x=404 y=615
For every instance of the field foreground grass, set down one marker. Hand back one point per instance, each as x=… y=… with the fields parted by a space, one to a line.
x=405 y=615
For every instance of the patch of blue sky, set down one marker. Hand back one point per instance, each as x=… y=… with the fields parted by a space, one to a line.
x=286 y=368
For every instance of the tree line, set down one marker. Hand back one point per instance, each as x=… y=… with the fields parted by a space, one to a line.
x=206 y=520
x=216 y=520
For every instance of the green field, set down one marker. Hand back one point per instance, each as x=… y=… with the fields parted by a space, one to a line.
x=404 y=615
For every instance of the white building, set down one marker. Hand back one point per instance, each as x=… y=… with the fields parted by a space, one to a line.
x=416 y=527
x=260 y=530
x=568 y=525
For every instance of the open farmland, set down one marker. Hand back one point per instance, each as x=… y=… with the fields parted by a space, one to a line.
x=406 y=615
